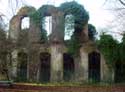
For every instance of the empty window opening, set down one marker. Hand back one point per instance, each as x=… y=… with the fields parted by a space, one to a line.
x=22 y=66
x=25 y=23
x=119 y=72
x=94 y=67
x=69 y=26
x=45 y=67
x=68 y=66
x=47 y=25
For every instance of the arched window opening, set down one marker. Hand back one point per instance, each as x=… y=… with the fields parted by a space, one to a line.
x=69 y=26
x=25 y=23
x=68 y=66
x=47 y=25
x=22 y=66
x=94 y=67
x=45 y=67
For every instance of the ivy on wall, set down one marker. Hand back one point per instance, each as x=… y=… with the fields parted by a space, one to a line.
x=78 y=20
x=80 y=17
x=39 y=20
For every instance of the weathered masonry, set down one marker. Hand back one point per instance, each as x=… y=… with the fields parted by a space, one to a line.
x=36 y=59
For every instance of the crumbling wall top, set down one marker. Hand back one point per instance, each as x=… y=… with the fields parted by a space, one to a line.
x=26 y=10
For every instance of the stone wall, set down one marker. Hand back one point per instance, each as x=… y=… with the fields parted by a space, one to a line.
x=55 y=46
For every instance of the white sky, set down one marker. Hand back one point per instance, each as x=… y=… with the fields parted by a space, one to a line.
x=100 y=17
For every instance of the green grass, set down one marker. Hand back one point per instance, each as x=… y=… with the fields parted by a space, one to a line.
x=70 y=84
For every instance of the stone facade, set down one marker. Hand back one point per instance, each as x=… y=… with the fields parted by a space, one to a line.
x=54 y=49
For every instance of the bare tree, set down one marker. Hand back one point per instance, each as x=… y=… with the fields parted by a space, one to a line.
x=14 y=5
x=122 y=2
x=117 y=7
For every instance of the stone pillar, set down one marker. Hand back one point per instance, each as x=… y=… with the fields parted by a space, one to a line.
x=33 y=65
x=56 y=40
x=34 y=32
x=107 y=74
x=81 y=66
x=77 y=68
x=14 y=27
x=57 y=27
x=84 y=34
x=14 y=64
x=84 y=64
x=56 y=63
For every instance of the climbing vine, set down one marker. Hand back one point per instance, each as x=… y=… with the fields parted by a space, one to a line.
x=78 y=20
x=38 y=18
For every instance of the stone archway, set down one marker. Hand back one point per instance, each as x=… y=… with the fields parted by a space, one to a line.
x=94 y=66
x=16 y=21
x=68 y=67
x=57 y=20
x=45 y=67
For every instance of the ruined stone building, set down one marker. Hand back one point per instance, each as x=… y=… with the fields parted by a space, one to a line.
x=35 y=59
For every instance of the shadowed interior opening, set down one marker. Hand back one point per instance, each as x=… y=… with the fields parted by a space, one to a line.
x=94 y=66
x=22 y=66
x=68 y=67
x=45 y=67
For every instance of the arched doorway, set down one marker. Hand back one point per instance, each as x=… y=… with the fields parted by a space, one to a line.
x=94 y=66
x=22 y=67
x=45 y=67
x=68 y=67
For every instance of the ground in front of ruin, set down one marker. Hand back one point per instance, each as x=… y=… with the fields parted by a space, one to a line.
x=24 y=87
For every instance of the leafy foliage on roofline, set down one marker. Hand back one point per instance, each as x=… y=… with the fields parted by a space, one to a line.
x=81 y=16
x=76 y=10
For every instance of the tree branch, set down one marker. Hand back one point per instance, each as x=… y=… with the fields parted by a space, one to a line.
x=122 y=2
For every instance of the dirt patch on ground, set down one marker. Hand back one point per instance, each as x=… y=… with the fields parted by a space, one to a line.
x=30 y=88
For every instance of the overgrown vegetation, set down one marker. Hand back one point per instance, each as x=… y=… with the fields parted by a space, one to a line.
x=109 y=48
x=113 y=52
x=79 y=18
